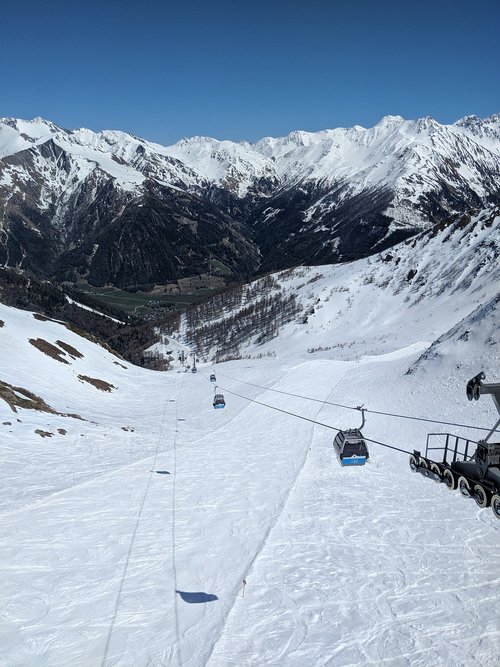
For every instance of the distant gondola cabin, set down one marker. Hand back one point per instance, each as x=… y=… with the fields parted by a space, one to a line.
x=350 y=447
x=219 y=401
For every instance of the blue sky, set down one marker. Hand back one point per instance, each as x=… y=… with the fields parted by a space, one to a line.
x=247 y=69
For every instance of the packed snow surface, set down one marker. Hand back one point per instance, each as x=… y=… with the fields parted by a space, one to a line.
x=127 y=533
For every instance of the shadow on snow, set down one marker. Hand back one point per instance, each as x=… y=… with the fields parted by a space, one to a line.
x=197 y=598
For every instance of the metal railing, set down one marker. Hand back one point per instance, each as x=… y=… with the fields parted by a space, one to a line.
x=454 y=446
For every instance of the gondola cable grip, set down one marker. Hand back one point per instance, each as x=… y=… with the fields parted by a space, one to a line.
x=362 y=410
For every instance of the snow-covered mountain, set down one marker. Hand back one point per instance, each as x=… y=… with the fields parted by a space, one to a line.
x=114 y=208
x=443 y=283
x=132 y=511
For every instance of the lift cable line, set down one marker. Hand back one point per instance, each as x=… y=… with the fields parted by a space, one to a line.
x=351 y=407
x=475 y=476
x=308 y=419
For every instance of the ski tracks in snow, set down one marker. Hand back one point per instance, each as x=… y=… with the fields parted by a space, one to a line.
x=116 y=609
x=362 y=568
x=344 y=567
x=300 y=629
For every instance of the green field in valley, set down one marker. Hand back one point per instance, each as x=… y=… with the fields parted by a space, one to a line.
x=142 y=302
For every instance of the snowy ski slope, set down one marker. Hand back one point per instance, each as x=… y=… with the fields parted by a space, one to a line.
x=125 y=540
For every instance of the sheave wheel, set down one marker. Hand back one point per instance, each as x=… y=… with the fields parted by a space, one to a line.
x=413 y=463
x=481 y=496
x=464 y=487
x=495 y=505
x=449 y=479
x=423 y=463
x=437 y=471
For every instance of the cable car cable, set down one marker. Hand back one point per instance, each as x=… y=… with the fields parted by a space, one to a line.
x=313 y=421
x=286 y=412
x=351 y=407
x=293 y=414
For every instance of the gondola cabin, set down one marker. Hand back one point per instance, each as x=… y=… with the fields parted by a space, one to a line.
x=219 y=401
x=350 y=448
x=213 y=378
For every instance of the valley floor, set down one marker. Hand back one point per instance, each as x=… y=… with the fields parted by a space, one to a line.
x=130 y=548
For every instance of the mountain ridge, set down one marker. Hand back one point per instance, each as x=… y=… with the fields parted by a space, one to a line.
x=323 y=197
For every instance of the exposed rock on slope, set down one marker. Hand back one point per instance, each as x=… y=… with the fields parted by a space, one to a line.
x=110 y=207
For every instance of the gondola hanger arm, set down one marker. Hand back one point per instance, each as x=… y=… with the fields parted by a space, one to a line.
x=362 y=410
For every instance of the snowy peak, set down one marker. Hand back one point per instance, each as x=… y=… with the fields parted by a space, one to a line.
x=189 y=164
x=201 y=152
x=389 y=121
x=331 y=155
x=321 y=197
x=235 y=166
x=486 y=132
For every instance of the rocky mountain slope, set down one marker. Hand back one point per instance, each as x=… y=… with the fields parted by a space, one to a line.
x=109 y=207
x=443 y=284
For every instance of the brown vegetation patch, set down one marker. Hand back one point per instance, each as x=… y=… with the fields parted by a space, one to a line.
x=27 y=399
x=98 y=384
x=62 y=431
x=2 y=323
x=119 y=364
x=48 y=349
x=44 y=434
x=7 y=423
x=128 y=428
x=73 y=352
